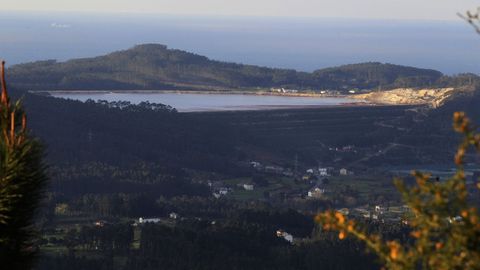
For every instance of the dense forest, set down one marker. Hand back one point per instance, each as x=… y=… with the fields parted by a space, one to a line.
x=238 y=243
x=117 y=162
x=156 y=67
x=111 y=163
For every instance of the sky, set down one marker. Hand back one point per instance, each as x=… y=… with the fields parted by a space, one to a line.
x=372 y=9
x=302 y=34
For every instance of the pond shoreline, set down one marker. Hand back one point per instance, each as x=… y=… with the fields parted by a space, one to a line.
x=188 y=101
x=197 y=92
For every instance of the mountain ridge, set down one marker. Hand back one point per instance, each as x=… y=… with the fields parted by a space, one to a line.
x=155 y=66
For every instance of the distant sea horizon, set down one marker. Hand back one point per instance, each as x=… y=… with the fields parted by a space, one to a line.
x=303 y=44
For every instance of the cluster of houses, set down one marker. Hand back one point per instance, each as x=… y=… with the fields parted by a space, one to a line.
x=312 y=176
x=319 y=190
x=319 y=172
x=327 y=171
x=323 y=92
x=223 y=191
x=284 y=91
x=219 y=189
x=379 y=213
x=155 y=220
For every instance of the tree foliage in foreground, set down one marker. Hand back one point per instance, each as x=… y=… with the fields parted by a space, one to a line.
x=445 y=226
x=22 y=178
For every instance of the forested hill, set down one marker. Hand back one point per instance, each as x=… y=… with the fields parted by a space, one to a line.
x=153 y=66
x=376 y=74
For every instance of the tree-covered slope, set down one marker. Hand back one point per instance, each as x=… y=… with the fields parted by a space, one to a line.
x=374 y=74
x=153 y=66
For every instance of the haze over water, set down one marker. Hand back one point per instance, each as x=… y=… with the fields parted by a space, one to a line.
x=297 y=43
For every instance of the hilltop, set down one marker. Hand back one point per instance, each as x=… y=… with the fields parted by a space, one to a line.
x=154 y=66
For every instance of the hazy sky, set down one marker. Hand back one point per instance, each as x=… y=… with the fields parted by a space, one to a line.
x=397 y=9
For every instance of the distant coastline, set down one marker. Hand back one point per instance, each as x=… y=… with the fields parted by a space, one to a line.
x=233 y=101
x=198 y=92
x=401 y=96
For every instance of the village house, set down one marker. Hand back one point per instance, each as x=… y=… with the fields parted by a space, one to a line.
x=323 y=172
x=248 y=186
x=223 y=191
x=283 y=90
x=344 y=172
x=316 y=192
x=256 y=164
x=379 y=209
x=454 y=219
x=101 y=223
x=148 y=220
x=283 y=234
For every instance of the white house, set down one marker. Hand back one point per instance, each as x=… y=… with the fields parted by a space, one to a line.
x=255 y=164
x=283 y=234
x=148 y=220
x=174 y=215
x=343 y=171
x=379 y=209
x=100 y=223
x=220 y=192
x=248 y=186
x=223 y=191
x=323 y=171
x=288 y=237
x=316 y=192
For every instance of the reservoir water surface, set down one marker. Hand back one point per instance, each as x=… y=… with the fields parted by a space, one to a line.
x=210 y=102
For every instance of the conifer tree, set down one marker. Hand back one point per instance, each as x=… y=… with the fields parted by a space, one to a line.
x=22 y=180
